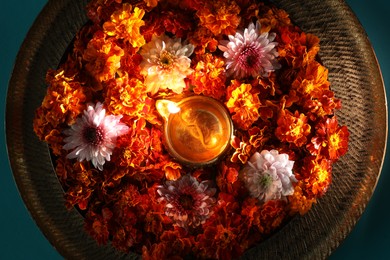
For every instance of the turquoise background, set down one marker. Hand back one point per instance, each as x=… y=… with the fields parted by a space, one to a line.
x=20 y=238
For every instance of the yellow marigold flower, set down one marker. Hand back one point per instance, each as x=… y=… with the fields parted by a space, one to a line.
x=244 y=106
x=125 y=24
x=220 y=17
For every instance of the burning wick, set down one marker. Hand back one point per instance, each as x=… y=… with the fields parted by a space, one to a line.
x=197 y=129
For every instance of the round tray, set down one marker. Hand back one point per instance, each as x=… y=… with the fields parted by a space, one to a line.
x=355 y=78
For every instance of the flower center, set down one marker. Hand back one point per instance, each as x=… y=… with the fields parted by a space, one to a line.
x=166 y=59
x=249 y=57
x=93 y=135
x=265 y=180
x=186 y=201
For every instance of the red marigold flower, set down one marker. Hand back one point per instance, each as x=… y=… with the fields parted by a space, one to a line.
x=209 y=77
x=188 y=202
x=272 y=215
x=322 y=106
x=222 y=234
x=331 y=140
x=102 y=57
x=220 y=17
x=174 y=244
x=244 y=105
x=97 y=225
x=292 y=128
x=316 y=174
x=125 y=25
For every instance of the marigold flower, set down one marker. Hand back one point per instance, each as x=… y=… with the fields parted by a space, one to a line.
x=299 y=202
x=220 y=17
x=222 y=237
x=64 y=101
x=127 y=96
x=272 y=214
x=209 y=77
x=312 y=80
x=166 y=64
x=274 y=18
x=317 y=175
x=243 y=105
x=330 y=140
x=93 y=136
x=249 y=53
x=102 y=57
x=125 y=24
x=292 y=128
x=188 y=202
x=243 y=150
x=268 y=175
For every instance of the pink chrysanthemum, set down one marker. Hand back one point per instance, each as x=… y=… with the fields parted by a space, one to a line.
x=250 y=53
x=268 y=175
x=93 y=136
x=188 y=202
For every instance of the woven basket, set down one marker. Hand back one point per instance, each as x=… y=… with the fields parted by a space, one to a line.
x=355 y=78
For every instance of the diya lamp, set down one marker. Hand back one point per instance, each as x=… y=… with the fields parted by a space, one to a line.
x=197 y=129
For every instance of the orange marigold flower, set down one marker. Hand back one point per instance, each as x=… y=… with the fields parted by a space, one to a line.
x=292 y=128
x=220 y=17
x=297 y=47
x=102 y=57
x=64 y=102
x=125 y=24
x=172 y=170
x=299 y=202
x=83 y=180
x=127 y=96
x=322 y=106
x=243 y=150
x=209 y=77
x=244 y=105
x=312 y=80
x=331 y=140
x=274 y=18
x=203 y=40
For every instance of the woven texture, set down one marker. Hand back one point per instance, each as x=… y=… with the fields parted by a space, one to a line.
x=355 y=78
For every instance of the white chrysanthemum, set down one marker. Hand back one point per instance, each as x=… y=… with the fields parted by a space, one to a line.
x=249 y=53
x=268 y=175
x=93 y=136
x=165 y=64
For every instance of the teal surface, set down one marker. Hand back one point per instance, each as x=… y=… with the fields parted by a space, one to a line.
x=20 y=238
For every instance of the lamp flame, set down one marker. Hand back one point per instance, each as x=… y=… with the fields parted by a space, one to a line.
x=166 y=107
